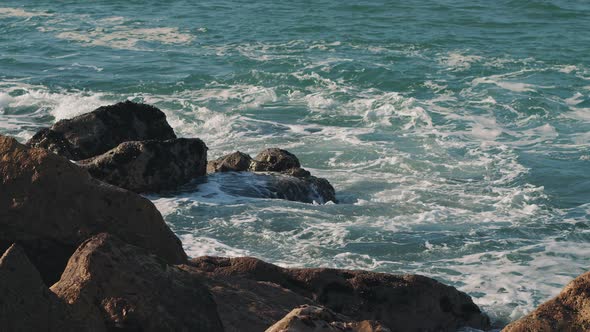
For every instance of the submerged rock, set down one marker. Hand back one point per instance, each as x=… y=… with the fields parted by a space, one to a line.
x=319 y=319
x=567 y=312
x=399 y=302
x=94 y=133
x=50 y=205
x=26 y=304
x=132 y=290
x=150 y=166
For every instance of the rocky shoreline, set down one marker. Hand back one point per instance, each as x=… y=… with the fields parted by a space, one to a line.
x=83 y=251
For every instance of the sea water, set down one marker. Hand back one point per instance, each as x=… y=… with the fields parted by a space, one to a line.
x=456 y=133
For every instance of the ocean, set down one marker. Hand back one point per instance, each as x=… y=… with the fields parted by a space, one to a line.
x=456 y=133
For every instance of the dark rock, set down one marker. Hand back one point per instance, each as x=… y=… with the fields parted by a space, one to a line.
x=399 y=302
x=306 y=189
x=275 y=160
x=133 y=290
x=308 y=318
x=233 y=162
x=150 y=166
x=26 y=304
x=49 y=206
x=94 y=133
x=567 y=312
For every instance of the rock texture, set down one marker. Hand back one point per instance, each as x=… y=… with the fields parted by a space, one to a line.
x=400 y=303
x=289 y=180
x=319 y=319
x=133 y=290
x=568 y=312
x=150 y=166
x=50 y=206
x=94 y=133
x=26 y=304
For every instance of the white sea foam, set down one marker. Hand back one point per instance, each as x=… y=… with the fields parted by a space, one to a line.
x=459 y=61
x=18 y=12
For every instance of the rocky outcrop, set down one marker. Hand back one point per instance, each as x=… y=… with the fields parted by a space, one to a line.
x=150 y=166
x=400 y=303
x=26 y=304
x=135 y=291
x=94 y=133
x=319 y=319
x=287 y=181
x=50 y=206
x=568 y=312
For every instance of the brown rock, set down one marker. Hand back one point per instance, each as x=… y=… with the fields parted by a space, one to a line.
x=400 y=303
x=308 y=318
x=133 y=290
x=94 y=133
x=26 y=304
x=150 y=166
x=49 y=206
x=567 y=312
x=233 y=162
x=275 y=160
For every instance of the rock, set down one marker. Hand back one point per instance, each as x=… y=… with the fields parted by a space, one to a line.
x=94 y=133
x=233 y=162
x=133 y=290
x=306 y=189
x=567 y=312
x=26 y=304
x=399 y=302
x=150 y=166
x=319 y=319
x=275 y=160
x=49 y=206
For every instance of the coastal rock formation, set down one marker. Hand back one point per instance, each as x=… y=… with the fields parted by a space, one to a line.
x=319 y=319
x=50 y=205
x=150 y=166
x=400 y=303
x=26 y=304
x=567 y=312
x=288 y=181
x=134 y=291
x=94 y=133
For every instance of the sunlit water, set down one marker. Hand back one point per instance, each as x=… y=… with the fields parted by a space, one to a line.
x=456 y=133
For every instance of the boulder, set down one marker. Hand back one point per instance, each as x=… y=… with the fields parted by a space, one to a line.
x=133 y=290
x=399 y=302
x=94 y=133
x=308 y=318
x=568 y=312
x=50 y=205
x=275 y=160
x=233 y=162
x=26 y=304
x=150 y=166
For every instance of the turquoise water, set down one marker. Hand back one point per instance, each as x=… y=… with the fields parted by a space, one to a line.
x=456 y=133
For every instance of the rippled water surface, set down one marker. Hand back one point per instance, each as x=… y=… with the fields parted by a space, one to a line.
x=456 y=133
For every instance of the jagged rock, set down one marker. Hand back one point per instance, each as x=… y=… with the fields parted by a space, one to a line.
x=26 y=304
x=49 y=206
x=306 y=189
x=319 y=319
x=94 y=133
x=233 y=162
x=133 y=290
x=567 y=312
x=275 y=160
x=150 y=166
x=399 y=302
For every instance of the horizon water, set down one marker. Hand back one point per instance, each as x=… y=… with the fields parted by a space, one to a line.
x=456 y=133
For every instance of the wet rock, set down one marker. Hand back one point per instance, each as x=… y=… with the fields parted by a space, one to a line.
x=399 y=302
x=306 y=189
x=135 y=291
x=233 y=162
x=26 y=304
x=94 y=133
x=275 y=160
x=150 y=166
x=50 y=205
x=568 y=312
x=319 y=319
